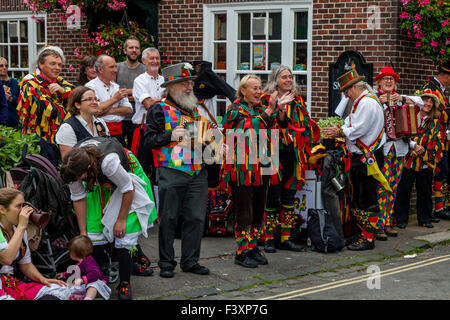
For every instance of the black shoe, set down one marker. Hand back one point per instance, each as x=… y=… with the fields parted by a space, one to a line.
x=166 y=273
x=362 y=244
x=292 y=246
x=401 y=225
x=269 y=246
x=426 y=225
x=141 y=268
x=124 y=291
x=198 y=269
x=443 y=214
x=244 y=259
x=434 y=219
x=256 y=255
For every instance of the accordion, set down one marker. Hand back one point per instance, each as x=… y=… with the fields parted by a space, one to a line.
x=198 y=130
x=401 y=121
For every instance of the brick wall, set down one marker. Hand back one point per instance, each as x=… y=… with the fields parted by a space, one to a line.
x=59 y=35
x=338 y=26
x=341 y=25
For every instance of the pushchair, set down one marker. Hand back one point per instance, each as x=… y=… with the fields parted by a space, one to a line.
x=52 y=255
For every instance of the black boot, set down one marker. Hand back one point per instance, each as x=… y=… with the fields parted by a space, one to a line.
x=124 y=291
x=269 y=246
x=256 y=255
x=244 y=259
x=362 y=244
x=292 y=246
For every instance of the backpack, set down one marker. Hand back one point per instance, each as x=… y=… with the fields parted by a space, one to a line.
x=322 y=232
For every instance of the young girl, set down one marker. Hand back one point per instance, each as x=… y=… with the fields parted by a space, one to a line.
x=91 y=278
x=420 y=164
x=15 y=254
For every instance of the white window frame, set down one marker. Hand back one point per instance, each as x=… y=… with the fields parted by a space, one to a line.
x=288 y=10
x=32 y=39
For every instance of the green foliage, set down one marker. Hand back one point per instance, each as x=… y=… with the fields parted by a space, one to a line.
x=110 y=39
x=11 y=152
x=325 y=123
x=428 y=23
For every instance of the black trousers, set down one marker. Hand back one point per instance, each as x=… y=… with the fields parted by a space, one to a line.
x=181 y=195
x=365 y=187
x=423 y=180
x=128 y=128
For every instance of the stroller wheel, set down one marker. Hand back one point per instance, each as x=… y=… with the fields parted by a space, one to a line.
x=113 y=272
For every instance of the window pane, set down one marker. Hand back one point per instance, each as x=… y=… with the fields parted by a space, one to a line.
x=220 y=27
x=275 y=26
x=40 y=31
x=302 y=84
x=300 y=51
x=301 y=25
x=243 y=56
x=220 y=56
x=13 y=32
x=23 y=56
x=259 y=28
x=23 y=31
x=4 y=31
x=259 y=52
x=274 y=55
x=14 y=59
x=4 y=52
x=244 y=26
x=221 y=108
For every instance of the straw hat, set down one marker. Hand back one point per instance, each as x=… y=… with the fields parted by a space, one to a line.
x=432 y=94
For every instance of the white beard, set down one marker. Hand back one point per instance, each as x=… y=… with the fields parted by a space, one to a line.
x=187 y=102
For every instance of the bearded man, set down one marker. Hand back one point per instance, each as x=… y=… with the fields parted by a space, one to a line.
x=180 y=174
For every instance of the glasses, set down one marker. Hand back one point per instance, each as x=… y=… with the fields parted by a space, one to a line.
x=3 y=66
x=91 y=100
x=388 y=79
x=188 y=83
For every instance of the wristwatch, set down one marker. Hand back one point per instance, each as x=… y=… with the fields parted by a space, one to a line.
x=403 y=100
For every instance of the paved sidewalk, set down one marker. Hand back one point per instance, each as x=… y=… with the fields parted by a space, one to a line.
x=218 y=255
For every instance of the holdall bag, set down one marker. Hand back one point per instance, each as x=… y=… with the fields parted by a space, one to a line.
x=322 y=232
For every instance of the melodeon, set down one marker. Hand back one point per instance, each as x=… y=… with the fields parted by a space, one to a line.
x=401 y=121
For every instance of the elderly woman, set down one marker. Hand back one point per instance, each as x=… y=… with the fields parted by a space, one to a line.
x=394 y=151
x=15 y=253
x=249 y=181
x=87 y=70
x=12 y=91
x=420 y=167
x=294 y=145
x=82 y=105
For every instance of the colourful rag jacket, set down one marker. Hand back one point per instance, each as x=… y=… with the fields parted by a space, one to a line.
x=443 y=106
x=162 y=118
x=429 y=137
x=40 y=111
x=302 y=142
x=245 y=168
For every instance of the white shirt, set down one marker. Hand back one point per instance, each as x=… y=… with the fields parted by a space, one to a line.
x=401 y=147
x=26 y=258
x=104 y=93
x=67 y=137
x=113 y=170
x=210 y=105
x=145 y=86
x=366 y=123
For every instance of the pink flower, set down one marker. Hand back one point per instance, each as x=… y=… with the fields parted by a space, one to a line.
x=423 y=2
x=404 y=15
x=442 y=51
x=434 y=43
x=71 y=68
x=418 y=44
x=405 y=2
x=445 y=23
x=417 y=17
